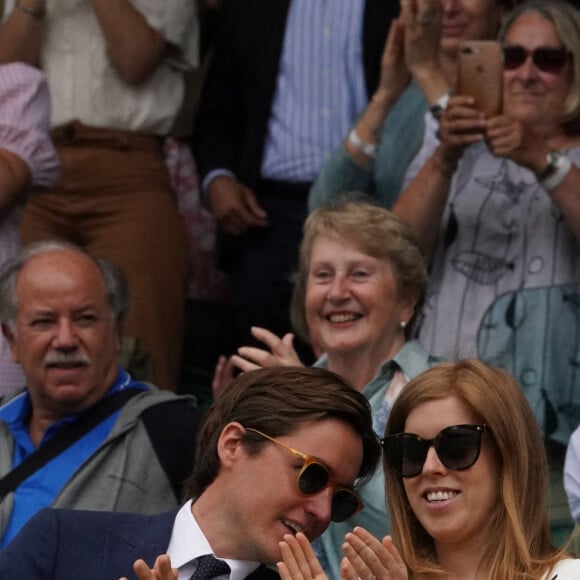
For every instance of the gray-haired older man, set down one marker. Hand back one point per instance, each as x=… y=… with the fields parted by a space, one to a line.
x=92 y=438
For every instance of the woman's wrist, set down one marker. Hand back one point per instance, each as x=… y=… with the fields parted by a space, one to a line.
x=432 y=83
x=366 y=148
x=382 y=101
x=444 y=162
x=555 y=170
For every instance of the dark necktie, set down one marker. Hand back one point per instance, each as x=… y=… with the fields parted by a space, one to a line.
x=209 y=567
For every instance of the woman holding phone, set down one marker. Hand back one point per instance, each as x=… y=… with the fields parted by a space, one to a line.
x=397 y=132
x=466 y=480
x=497 y=208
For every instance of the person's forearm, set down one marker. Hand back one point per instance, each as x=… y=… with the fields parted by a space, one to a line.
x=134 y=47
x=22 y=32
x=423 y=202
x=370 y=125
x=432 y=83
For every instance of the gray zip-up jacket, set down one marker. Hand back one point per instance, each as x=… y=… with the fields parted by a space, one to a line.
x=140 y=466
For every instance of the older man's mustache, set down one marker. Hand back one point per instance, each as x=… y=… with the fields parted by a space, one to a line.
x=66 y=358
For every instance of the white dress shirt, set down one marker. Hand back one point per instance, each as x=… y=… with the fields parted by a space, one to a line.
x=188 y=542
x=84 y=83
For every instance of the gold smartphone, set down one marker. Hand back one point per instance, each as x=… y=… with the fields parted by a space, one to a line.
x=480 y=74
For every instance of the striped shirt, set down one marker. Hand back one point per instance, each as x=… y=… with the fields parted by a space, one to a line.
x=320 y=88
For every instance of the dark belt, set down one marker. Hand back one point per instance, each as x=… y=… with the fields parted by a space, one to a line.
x=77 y=134
x=292 y=189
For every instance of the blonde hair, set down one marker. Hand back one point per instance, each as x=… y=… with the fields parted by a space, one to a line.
x=518 y=534
x=376 y=231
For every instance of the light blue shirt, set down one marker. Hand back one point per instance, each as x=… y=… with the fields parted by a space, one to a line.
x=320 y=89
x=42 y=487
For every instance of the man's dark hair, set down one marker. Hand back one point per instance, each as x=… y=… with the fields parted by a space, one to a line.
x=277 y=401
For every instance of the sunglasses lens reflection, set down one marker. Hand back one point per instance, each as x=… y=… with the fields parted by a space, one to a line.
x=550 y=60
x=313 y=478
x=457 y=447
x=344 y=505
x=460 y=448
x=413 y=455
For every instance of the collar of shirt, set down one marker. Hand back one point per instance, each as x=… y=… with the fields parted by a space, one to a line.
x=411 y=360
x=16 y=412
x=188 y=542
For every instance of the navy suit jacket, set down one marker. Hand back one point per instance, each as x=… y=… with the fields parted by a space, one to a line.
x=232 y=120
x=85 y=545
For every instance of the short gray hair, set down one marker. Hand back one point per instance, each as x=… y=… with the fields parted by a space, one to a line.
x=113 y=278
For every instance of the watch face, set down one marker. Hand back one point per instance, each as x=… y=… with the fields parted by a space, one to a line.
x=552 y=163
x=437 y=111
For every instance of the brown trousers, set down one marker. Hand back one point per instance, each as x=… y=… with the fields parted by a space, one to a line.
x=114 y=198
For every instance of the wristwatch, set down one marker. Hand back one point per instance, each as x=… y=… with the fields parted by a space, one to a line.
x=440 y=105
x=555 y=171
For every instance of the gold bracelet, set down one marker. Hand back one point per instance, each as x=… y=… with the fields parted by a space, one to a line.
x=37 y=14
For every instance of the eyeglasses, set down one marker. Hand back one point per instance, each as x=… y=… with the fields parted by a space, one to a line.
x=457 y=447
x=546 y=59
x=314 y=477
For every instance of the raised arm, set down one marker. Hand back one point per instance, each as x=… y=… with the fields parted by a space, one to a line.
x=422 y=21
x=424 y=200
x=134 y=47
x=350 y=167
x=22 y=32
x=411 y=48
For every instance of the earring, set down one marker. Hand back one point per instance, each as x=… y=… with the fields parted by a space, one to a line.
x=403 y=324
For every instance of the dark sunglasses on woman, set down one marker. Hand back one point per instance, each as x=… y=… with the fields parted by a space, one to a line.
x=314 y=477
x=547 y=59
x=457 y=447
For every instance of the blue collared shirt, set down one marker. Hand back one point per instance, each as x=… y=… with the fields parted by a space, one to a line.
x=43 y=486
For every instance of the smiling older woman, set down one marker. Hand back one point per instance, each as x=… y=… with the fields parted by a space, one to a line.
x=360 y=278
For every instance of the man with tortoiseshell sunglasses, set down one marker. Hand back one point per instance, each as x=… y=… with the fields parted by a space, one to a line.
x=279 y=452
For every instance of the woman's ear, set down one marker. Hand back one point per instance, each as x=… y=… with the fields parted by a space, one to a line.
x=408 y=306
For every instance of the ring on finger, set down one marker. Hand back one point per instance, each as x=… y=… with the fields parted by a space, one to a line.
x=423 y=20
